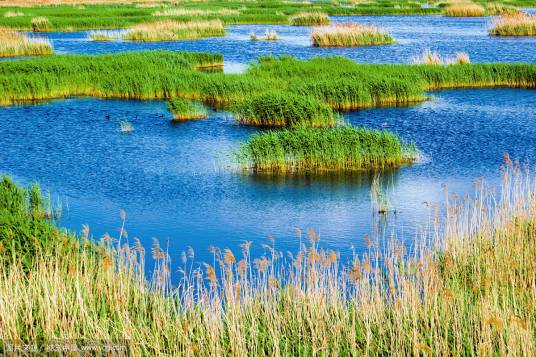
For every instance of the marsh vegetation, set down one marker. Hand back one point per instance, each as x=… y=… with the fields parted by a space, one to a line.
x=348 y=35
x=475 y=273
x=514 y=24
x=316 y=150
x=13 y=43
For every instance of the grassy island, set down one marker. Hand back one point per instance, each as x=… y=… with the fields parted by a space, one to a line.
x=183 y=109
x=514 y=24
x=313 y=149
x=350 y=34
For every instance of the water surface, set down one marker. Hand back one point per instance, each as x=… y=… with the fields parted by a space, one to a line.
x=414 y=35
x=174 y=180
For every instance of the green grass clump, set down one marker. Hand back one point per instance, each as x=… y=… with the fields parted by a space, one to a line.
x=309 y=19
x=283 y=109
x=514 y=24
x=183 y=109
x=170 y=30
x=341 y=83
x=348 y=35
x=24 y=224
x=316 y=149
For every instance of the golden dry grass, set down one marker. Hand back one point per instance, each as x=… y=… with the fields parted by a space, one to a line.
x=464 y=10
x=14 y=44
x=514 y=24
x=349 y=34
x=464 y=287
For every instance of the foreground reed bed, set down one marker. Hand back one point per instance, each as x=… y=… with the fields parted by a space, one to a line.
x=283 y=109
x=14 y=44
x=170 y=30
x=463 y=9
x=316 y=150
x=464 y=287
x=350 y=34
x=309 y=19
x=514 y=24
x=183 y=109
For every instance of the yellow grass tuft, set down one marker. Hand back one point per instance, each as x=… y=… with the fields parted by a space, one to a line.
x=14 y=44
x=433 y=58
x=466 y=287
x=40 y=24
x=464 y=10
x=514 y=24
x=349 y=34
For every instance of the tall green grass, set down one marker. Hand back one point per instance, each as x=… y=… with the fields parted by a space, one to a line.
x=314 y=149
x=283 y=109
x=465 y=287
x=338 y=82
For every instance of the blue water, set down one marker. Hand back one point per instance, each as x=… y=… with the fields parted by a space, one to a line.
x=414 y=35
x=174 y=180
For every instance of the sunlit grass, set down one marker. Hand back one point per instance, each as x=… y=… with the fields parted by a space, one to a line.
x=170 y=30
x=105 y=36
x=464 y=285
x=309 y=19
x=349 y=34
x=14 y=44
x=464 y=9
x=40 y=24
x=514 y=24
x=433 y=58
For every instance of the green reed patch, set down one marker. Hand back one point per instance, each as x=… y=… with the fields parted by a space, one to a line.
x=284 y=109
x=316 y=149
x=336 y=81
x=183 y=109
